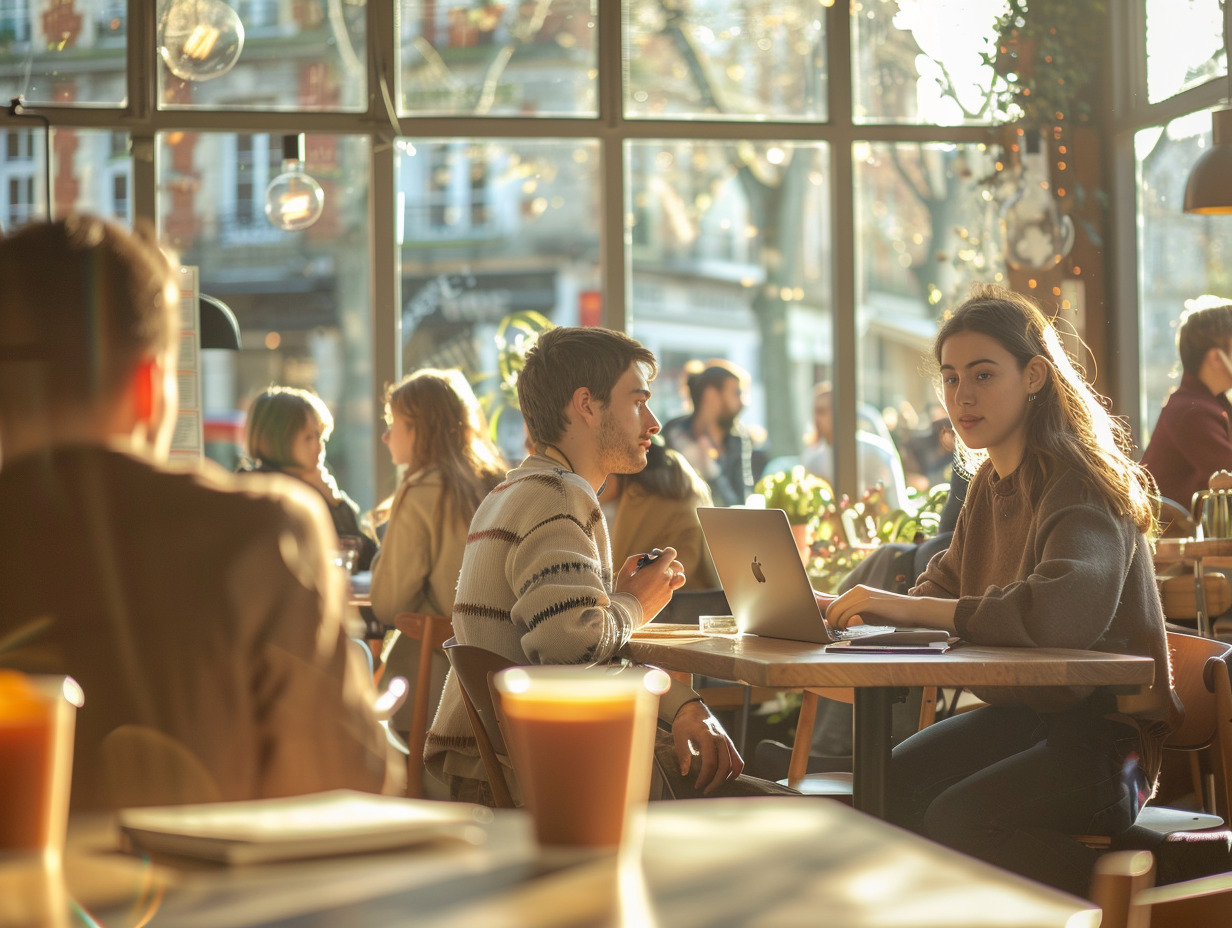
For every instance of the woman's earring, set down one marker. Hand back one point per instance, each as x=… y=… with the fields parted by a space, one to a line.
x=1031 y=398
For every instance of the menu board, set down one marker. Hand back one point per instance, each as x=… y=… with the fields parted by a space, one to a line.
x=187 y=441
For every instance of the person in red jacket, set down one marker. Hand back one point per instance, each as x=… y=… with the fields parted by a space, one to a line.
x=1193 y=437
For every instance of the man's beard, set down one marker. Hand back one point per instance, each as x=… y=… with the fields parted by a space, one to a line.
x=726 y=422
x=615 y=450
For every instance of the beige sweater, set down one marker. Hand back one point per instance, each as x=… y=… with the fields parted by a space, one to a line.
x=535 y=587
x=1060 y=571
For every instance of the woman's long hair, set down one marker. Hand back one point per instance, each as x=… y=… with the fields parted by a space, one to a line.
x=1068 y=424
x=451 y=435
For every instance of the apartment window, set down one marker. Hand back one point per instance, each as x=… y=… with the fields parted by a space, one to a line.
x=14 y=21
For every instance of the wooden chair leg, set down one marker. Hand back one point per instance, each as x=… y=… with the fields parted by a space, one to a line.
x=928 y=707
x=797 y=767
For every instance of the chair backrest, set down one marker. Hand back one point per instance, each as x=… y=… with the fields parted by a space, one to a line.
x=1175 y=520
x=1190 y=654
x=431 y=631
x=1124 y=889
x=474 y=668
x=686 y=605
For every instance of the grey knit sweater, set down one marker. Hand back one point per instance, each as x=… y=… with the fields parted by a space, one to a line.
x=535 y=587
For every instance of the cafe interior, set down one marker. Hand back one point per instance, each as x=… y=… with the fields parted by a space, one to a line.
x=803 y=189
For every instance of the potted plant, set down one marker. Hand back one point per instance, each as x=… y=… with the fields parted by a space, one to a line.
x=803 y=496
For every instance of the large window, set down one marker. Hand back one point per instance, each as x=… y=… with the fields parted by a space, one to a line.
x=685 y=170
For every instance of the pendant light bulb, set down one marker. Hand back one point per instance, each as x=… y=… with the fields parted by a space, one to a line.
x=293 y=199
x=199 y=40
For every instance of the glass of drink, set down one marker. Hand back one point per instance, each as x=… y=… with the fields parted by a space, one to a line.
x=582 y=743
x=37 y=717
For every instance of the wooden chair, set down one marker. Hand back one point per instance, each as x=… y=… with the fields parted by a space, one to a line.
x=1124 y=889
x=431 y=631
x=1201 y=677
x=474 y=668
x=1175 y=520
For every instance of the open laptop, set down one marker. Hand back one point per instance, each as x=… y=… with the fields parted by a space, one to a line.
x=768 y=588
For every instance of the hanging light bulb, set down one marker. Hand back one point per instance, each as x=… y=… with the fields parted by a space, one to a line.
x=200 y=40
x=293 y=199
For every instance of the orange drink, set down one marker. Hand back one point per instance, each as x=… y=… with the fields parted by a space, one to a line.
x=36 y=744
x=581 y=740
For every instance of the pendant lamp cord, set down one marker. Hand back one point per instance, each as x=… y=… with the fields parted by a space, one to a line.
x=17 y=109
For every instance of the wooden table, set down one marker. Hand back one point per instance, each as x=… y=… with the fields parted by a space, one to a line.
x=760 y=863
x=1193 y=553
x=774 y=662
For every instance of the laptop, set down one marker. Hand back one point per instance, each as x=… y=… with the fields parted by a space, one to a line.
x=768 y=588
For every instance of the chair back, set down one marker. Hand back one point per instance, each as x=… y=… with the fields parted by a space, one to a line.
x=431 y=631
x=1175 y=520
x=474 y=668
x=1190 y=654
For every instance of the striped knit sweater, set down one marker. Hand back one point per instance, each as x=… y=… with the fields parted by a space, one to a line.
x=535 y=587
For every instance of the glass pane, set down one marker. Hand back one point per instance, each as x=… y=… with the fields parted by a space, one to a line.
x=493 y=230
x=726 y=59
x=923 y=61
x=1184 y=46
x=91 y=169
x=1181 y=256
x=730 y=258
x=470 y=57
x=301 y=298
x=927 y=227
x=263 y=54
x=63 y=53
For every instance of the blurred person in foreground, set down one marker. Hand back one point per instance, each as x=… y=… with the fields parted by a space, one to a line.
x=200 y=614
x=1193 y=436
x=537 y=584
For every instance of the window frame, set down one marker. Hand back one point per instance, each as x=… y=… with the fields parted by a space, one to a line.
x=145 y=121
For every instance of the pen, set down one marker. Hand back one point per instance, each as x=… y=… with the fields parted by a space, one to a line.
x=648 y=559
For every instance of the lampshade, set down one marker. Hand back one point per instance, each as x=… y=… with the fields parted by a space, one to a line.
x=219 y=327
x=1209 y=191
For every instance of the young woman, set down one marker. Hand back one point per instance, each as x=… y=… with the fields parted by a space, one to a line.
x=1050 y=550
x=657 y=507
x=436 y=430
x=286 y=433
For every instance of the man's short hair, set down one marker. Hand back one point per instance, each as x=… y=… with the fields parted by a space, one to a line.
x=82 y=301
x=1205 y=324
x=715 y=373
x=566 y=358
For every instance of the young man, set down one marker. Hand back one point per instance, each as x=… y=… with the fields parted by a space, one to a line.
x=1193 y=437
x=201 y=617
x=719 y=448
x=537 y=584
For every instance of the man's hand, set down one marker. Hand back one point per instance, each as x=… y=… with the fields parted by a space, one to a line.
x=703 y=748
x=653 y=584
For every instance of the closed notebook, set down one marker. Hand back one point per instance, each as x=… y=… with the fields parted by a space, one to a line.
x=319 y=824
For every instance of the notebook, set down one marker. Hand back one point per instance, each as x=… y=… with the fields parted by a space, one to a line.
x=768 y=588
x=320 y=824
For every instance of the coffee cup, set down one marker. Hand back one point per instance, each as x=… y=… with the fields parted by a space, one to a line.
x=582 y=743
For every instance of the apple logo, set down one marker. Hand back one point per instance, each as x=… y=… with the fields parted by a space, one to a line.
x=761 y=577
